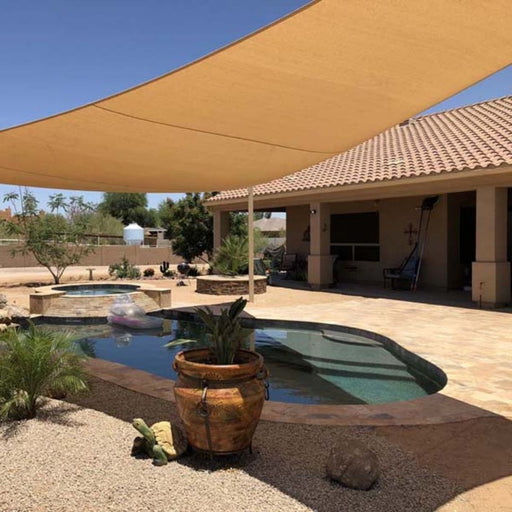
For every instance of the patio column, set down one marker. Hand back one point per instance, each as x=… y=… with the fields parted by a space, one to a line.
x=220 y=227
x=491 y=270
x=319 y=259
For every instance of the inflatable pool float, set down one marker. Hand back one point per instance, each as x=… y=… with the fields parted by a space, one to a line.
x=136 y=322
x=126 y=313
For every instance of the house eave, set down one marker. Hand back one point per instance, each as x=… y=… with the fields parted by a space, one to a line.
x=444 y=182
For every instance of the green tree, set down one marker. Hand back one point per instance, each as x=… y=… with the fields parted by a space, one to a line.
x=189 y=225
x=55 y=241
x=238 y=225
x=127 y=207
x=151 y=218
x=57 y=202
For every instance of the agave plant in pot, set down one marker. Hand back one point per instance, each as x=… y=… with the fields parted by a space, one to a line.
x=220 y=388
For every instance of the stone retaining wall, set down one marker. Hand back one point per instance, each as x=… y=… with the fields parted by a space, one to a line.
x=53 y=303
x=225 y=285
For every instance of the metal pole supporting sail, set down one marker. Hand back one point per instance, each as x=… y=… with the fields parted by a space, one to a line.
x=250 y=218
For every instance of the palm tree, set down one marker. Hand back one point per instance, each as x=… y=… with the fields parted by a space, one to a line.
x=56 y=202
x=34 y=363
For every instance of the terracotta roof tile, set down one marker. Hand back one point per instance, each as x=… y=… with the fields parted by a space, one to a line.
x=465 y=138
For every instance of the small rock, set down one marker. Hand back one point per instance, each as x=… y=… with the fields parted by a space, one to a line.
x=5 y=317
x=17 y=312
x=3 y=301
x=353 y=465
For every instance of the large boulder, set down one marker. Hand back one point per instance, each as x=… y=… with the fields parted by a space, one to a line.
x=353 y=465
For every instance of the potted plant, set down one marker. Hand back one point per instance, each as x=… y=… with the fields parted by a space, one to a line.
x=220 y=388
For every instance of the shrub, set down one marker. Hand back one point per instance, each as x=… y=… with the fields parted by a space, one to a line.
x=35 y=363
x=124 y=270
x=194 y=272
x=232 y=257
x=149 y=272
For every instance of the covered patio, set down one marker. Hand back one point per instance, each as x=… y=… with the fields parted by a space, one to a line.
x=355 y=215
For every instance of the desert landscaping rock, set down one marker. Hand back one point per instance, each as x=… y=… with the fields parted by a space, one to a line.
x=76 y=457
x=353 y=465
x=5 y=317
x=11 y=313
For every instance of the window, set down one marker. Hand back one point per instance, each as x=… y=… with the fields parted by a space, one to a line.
x=355 y=236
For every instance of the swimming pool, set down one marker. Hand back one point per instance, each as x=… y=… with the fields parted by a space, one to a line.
x=308 y=364
x=96 y=289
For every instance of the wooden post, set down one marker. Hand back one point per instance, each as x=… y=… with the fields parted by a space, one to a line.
x=250 y=218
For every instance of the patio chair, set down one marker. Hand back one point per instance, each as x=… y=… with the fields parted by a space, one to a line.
x=407 y=271
x=259 y=267
x=275 y=255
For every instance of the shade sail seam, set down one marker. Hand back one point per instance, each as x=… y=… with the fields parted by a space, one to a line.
x=72 y=179
x=198 y=130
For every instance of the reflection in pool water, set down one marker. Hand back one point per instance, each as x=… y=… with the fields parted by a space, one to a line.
x=306 y=366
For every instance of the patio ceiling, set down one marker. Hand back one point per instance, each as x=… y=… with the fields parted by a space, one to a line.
x=310 y=86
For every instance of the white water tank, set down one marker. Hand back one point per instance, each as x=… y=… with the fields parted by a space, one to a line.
x=133 y=234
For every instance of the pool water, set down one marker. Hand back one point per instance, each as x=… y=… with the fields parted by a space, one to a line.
x=97 y=290
x=306 y=366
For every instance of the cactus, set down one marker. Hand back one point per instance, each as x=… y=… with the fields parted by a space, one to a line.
x=166 y=271
x=164 y=267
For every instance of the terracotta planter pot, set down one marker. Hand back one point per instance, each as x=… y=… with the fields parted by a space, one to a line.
x=220 y=405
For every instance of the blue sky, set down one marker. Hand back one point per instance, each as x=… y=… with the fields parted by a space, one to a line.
x=60 y=54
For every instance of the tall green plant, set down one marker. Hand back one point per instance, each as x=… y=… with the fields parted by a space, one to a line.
x=34 y=363
x=224 y=332
x=232 y=257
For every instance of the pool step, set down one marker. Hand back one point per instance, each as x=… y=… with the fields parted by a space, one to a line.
x=350 y=339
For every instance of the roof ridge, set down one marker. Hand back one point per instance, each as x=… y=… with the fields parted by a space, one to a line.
x=461 y=107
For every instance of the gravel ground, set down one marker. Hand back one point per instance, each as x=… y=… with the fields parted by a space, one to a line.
x=77 y=458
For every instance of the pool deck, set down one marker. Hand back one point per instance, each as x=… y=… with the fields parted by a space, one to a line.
x=473 y=347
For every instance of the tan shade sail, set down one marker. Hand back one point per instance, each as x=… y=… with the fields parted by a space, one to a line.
x=312 y=85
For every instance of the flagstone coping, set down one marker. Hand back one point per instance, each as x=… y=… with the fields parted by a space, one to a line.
x=429 y=410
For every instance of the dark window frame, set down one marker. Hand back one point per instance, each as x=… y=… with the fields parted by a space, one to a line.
x=355 y=237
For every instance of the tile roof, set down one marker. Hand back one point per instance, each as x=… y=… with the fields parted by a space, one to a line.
x=465 y=138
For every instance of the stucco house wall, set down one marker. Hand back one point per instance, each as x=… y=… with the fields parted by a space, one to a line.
x=395 y=215
x=297 y=221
